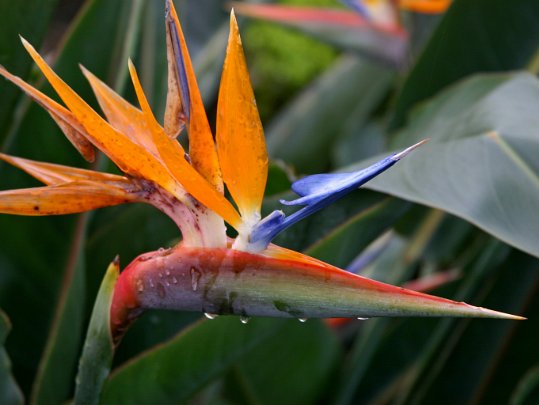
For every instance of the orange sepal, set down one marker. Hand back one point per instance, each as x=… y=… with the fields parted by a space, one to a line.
x=123 y=116
x=201 y=145
x=130 y=157
x=425 y=6
x=69 y=198
x=173 y=156
x=52 y=174
x=63 y=117
x=240 y=138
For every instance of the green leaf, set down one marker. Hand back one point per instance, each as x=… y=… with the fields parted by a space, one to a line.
x=53 y=382
x=527 y=389
x=344 y=242
x=29 y=18
x=311 y=352
x=481 y=161
x=10 y=393
x=303 y=132
x=177 y=369
x=96 y=358
x=473 y=36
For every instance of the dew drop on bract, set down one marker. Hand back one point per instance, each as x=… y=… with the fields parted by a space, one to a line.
x=210 y=316
x=195 y=277
x=302 y=320
x=140 y=285
x=244 y=319
x=361 y=319
x=174 y=280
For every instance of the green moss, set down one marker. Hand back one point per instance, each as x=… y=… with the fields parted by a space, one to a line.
x=282 y=60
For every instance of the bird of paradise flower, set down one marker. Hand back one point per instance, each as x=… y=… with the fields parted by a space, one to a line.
x=207 y=271
x=372 y=27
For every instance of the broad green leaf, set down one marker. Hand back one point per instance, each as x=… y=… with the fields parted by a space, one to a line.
x=96 y=358
x=174 y=371
x=29 y=18
x=302 y=133
x=358 y=140
x=344 y=242
x=473 y=36
x=481 y=160
x=527 y=389
x=53 y=382
x=10 y=393
x=310 y=352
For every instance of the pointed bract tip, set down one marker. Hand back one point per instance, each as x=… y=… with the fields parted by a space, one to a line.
x=233 y=21
x=132 y=69
x=85 y=71
x=25 y=43
x=490 y=313
x=408 y=150
x=169 y=7
x=116 y=261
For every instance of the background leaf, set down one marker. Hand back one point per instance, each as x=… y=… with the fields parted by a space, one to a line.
x=179 y=368
x=472 y=37
x=29 y=18
x=481 y=160
x=10 y=394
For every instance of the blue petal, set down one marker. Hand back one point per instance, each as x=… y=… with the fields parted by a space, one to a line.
x=318 y=191
x=358 y=6
x=329 y=187
x=180 y=65
x=267 y=229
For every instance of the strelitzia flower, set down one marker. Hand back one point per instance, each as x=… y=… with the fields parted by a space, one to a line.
x=206 y=271
x=373 y=27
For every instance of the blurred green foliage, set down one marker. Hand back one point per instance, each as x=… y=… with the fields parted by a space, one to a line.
x=278 y=59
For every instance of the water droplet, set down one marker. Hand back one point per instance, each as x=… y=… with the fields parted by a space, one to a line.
x=362 y=319
x=302 y=320
x=167 y=272
x=161 y=249
x=144 y=258
x=210 y=316
x=174 y=280
x=151 y=283
x=244 y=319
x=140 y=285
x=161 y=290
x=195 y=277
x=160 y=275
